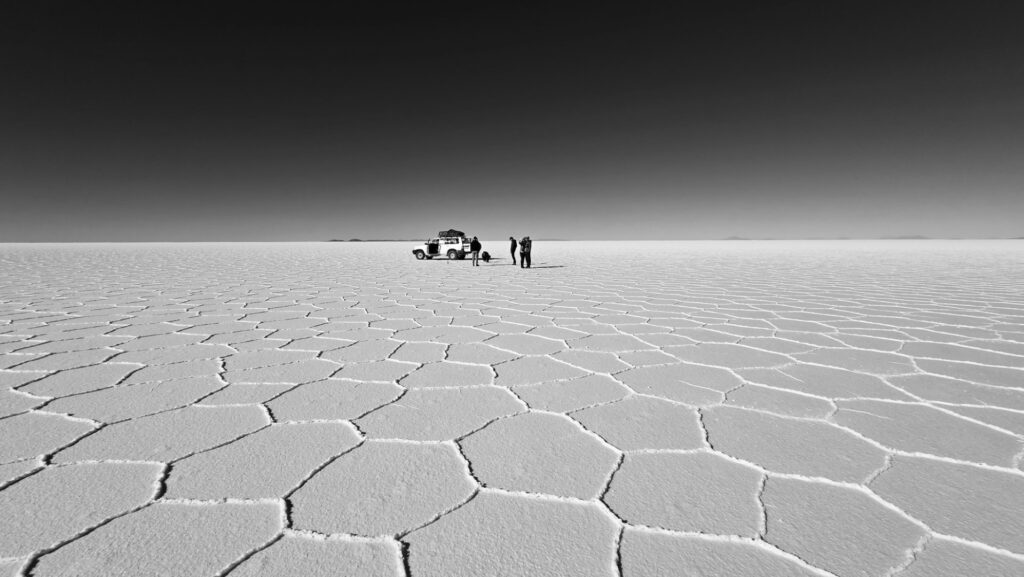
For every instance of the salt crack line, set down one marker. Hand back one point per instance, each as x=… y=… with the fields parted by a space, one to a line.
x=718 y=538
x=911 y=556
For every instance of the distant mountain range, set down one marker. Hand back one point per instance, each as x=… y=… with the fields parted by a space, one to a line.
x=376 y=240
x=898 y=237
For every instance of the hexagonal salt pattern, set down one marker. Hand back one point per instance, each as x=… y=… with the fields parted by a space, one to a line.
x=383 y=488
x=651 y=410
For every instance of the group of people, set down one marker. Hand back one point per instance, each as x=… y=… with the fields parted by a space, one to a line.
x=524 y=251
x=524 y=246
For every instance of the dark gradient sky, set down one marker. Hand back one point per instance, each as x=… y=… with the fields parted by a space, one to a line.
x=248 y=122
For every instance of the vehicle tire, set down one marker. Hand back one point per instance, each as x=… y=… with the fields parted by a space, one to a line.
x=453 y=254
x=420 y=255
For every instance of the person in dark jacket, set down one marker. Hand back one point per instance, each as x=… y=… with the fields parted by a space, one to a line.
x=512 y=239
x=474 y=247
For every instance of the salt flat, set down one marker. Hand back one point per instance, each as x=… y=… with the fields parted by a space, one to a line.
x=637 y=409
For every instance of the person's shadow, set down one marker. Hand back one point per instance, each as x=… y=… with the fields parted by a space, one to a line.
x=499 y=259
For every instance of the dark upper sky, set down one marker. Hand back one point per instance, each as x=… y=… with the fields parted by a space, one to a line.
x=252 y=122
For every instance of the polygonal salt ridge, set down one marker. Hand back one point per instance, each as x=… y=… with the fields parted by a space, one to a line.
x=938 y=491
x=780 y=401
x=774 y=344
x=297 y=372
x=223 y=327
x=176 y=354
x=573 y=394
x=276 y=315
x=308 y=554
x=526 y=344
x=79 y=380
x=166 y=436
x=1007 y=419
x=426 y=352
x=136 y=544
x=555 y=456
x=505 y=328
x=824 y=382
x=448 y=374
x=687 y=383
x=386 y=371
x=174 y=371
x=477 y=353
x=728 y=355
x=646 y=358
x=234 y=339
x=945 y=557
x=534 y=369
x=14 y=402
x=860 y=361
x=256 y=359
x=270 y=342
x=898 y=425
x=287 y=455
x=1000 y=346
x=790 y=445
x=301 y=326
x=610 y=343
x=56 y=504
x=651 y=552
x=496 y=532
x=445 y=334
x=364 y=351
x=740 y=331
x=317 y=344
x=55 y=361
x=438 y=414
x=869 y=342
x=36 y=433
x=813 y=339
x=690 y=491
x=975 y=373
x=13 y=472
x=116 y=404
x=144 y=328
x=332 y=399
x=803 y=514
x=384 y=488
x=643 y=423
x=595 y=362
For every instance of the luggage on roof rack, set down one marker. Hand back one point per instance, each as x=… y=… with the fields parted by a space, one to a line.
x=451 y=232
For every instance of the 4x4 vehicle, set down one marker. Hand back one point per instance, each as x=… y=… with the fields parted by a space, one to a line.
x=451 y=243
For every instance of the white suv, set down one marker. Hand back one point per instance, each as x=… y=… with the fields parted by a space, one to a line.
x=450 y=243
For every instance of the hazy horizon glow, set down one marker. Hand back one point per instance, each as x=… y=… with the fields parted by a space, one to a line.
x=247 y=123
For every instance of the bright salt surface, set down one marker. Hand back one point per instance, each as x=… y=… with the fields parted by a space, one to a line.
x=633 y=408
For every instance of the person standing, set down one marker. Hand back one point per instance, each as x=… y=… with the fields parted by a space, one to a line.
x=512 y=239
x=525 y=246
x=474 y=247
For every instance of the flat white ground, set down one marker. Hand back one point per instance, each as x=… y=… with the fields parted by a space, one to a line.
x=720 y=408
